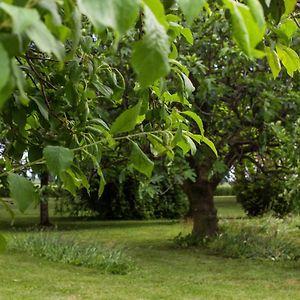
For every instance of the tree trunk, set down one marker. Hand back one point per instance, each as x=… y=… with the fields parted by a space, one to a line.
x=202 y=208
x=44 y=210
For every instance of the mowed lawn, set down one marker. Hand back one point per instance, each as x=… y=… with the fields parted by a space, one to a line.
x=161 y=270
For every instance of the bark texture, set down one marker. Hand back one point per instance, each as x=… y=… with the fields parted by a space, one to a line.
x=201 y=197
x=202 y=208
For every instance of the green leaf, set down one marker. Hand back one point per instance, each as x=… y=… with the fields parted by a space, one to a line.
x=158 y=10
x=69 y=182
x=188 y=86
x=197 y=119
x=102 y=182
x=150 y=55
x=289 y=58
x=184 y=145
x=127 y=120
x=178 y=137
x=248 y=31
x=240 y=32
x=210 y=144
x=287 y=29
x=51 y=6
x=188 y=35
x=196 y=137
x=58 y=158
x=157 y=148
x=140 y=161
x=4 y=67
x=20 y=81
x=192 y=145
x=81 y=177
x=116 y=14
x=7 y=91
x=28 y=21
x=289 y=6
x=191 y=8
x=257 y=12
x=76 y=32
x=22 y=191
x=42 y=107
x=11 y=43
x=3 y=243
x=277 y=9
x=273 y=61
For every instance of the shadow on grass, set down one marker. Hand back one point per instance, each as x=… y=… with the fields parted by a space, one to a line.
x=75 y=223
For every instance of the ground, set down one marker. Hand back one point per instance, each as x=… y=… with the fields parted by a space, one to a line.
x=162 y=271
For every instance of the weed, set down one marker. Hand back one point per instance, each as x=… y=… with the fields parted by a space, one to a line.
x=256 y=239
x=55 y=249
x=189 y=240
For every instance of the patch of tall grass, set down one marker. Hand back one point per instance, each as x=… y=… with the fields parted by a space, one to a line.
x=54 y=248
x=264 y=239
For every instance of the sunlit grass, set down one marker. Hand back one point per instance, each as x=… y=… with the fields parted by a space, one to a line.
x=162 y=271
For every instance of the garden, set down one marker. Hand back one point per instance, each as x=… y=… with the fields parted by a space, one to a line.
x=149 y=149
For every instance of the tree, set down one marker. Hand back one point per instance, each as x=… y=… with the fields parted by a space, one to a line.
x=239 y=103
x=59 y=82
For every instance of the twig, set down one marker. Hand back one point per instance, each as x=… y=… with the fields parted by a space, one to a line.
x=28 y=74
x=295 y=20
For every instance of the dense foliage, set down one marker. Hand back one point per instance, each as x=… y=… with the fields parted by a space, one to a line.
x=259 y=193
x=128 y=195
x=81 y=80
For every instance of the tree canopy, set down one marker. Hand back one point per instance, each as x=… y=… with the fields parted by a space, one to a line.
x=79 y=78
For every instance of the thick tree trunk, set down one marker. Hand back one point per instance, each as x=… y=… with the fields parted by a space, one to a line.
x=44 y=210
x=202 y=208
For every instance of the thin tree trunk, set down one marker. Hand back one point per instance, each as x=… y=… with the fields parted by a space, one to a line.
x=44 y=210
x=202 y=208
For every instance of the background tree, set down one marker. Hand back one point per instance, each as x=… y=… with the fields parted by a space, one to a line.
x=238 y=101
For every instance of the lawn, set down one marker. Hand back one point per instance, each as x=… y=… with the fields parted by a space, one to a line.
x=161 y=270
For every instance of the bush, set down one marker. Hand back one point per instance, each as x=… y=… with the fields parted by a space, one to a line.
x=128 y=195
x=224 y=189
x=259 y=193
x=55 y=249
x=263 y=239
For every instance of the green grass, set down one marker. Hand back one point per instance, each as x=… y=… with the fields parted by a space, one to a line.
x=228 y=207
x=162 y=271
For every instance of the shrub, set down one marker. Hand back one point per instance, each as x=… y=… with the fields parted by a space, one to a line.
x=128 y=195
x=224 y=189
x=255 y=242
x=263 y=239
x=259 y=193
x=55 y=249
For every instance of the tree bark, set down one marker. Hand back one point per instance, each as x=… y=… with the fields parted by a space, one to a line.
x=44 y=209
x=202 y=208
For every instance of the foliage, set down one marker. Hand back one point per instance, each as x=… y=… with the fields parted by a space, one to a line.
x=224 y=189
x=56 y=249
x=262 y=241
x=68 y=75
x=288 y=155
x=187 y=241
x=128 y=196
x=238 y=102
x=259 y=193
x=66 y=66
